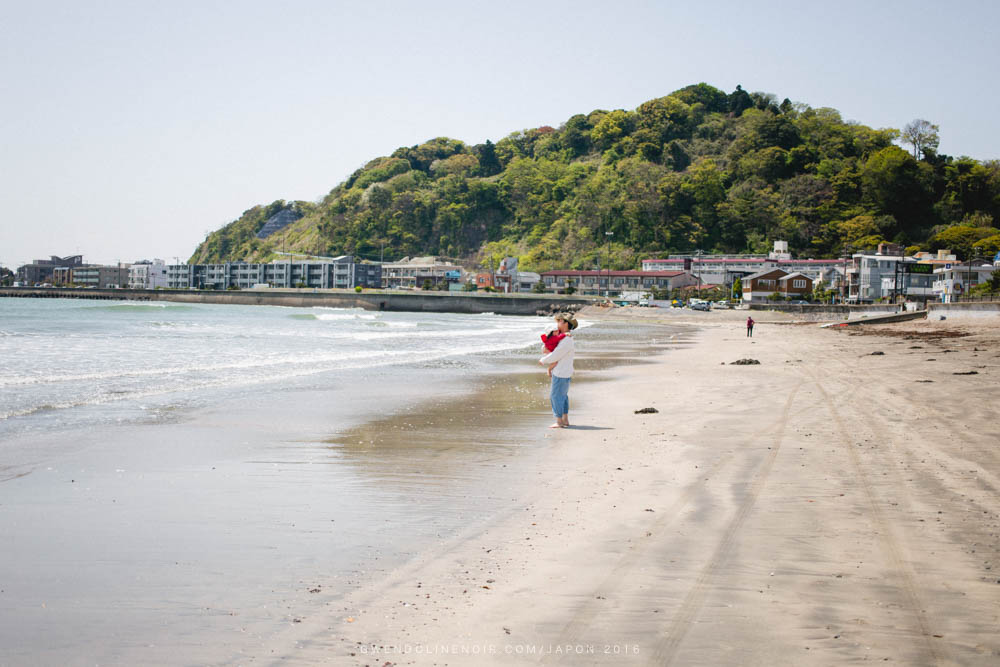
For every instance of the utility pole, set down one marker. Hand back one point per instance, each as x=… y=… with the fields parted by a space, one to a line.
x=607 y=257
x=968 y=278
x=381 y=261
x=698 y=259
x=845 y=291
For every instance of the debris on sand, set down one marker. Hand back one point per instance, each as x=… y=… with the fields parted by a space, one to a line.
x=647 y=411
x=744 y=362
x=878 y=353
x=908 y=334
x=966 y=373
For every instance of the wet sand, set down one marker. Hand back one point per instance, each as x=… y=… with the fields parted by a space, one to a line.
x=827 y=506
x=206 y=538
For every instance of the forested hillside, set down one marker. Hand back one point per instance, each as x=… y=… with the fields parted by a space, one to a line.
x=697 y=169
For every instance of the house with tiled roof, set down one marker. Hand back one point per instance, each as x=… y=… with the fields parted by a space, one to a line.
x=760 y=286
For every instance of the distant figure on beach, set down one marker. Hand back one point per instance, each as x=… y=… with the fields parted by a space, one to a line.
x=560 y=366
x=750 y=324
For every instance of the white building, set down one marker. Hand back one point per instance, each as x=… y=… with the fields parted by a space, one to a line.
x=866 y=272
x=954 y=280
x=871 y=277
x=146 y=274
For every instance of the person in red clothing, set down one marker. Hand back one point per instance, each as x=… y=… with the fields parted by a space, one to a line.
x=552 y=338
x=560 y=366
x=750 y=324
x=551 y=341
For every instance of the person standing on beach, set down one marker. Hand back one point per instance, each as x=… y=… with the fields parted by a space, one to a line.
x=750 y=324
x=562 y=371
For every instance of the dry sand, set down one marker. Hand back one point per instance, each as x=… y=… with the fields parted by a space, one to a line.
x=828 y=506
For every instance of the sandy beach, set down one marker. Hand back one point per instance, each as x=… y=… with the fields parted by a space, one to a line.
x=835 y=504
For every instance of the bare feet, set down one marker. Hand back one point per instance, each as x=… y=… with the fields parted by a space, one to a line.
x=558 y=424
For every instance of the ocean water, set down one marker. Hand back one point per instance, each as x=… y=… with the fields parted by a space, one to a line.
x=177 y=480
x=70 y=364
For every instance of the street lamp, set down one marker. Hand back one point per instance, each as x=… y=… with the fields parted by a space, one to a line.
x=607 y=257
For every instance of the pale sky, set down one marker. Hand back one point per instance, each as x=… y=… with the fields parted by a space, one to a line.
x=130 y=129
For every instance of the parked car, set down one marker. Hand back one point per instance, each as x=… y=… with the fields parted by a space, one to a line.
x=721 y=304
x=800 y=302
x=701 y=305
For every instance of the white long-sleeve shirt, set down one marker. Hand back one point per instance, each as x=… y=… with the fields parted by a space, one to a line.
x=563 y=354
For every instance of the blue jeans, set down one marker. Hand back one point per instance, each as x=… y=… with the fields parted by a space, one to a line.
x=560 y=396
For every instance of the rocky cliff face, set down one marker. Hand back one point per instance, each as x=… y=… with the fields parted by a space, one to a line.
x=279 y=221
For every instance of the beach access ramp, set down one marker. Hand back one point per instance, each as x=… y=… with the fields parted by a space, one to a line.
x=880 y=319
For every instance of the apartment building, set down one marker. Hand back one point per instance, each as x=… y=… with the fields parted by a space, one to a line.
x=148 y=274
x=333 y=273
x=614 y=282
x=100 y=276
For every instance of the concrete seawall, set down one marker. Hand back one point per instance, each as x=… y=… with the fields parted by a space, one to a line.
x=965 y=310
x=884 y=318
x=431 y=302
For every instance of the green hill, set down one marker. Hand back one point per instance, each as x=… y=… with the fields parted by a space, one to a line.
x=697 y=169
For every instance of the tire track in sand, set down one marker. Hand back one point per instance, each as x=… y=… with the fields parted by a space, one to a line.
x=665 y=650
x=575 y=629
x=890 y=543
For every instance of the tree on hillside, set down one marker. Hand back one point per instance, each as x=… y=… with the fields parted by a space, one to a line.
x=923 y=136
x=960 y=239
x=988 y=246
x=739 y=101
x=694 y=169
x=894 y=183
x=488 y=162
